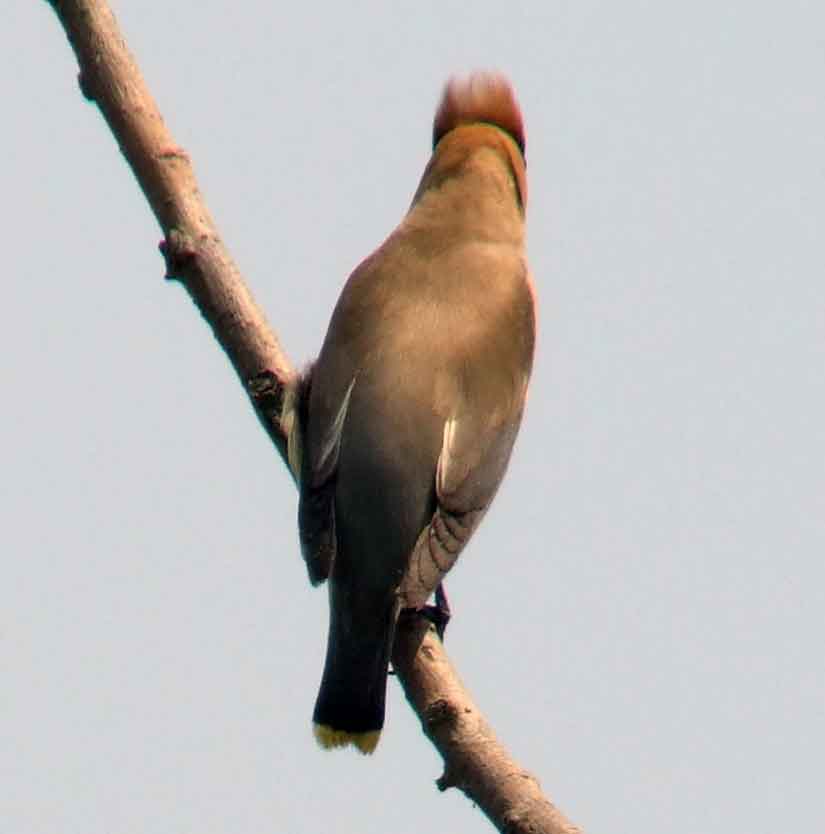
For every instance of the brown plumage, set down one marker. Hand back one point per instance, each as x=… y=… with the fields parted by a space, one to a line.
x=416 y=398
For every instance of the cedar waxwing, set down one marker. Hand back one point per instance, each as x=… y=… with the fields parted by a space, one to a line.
x=406 y=422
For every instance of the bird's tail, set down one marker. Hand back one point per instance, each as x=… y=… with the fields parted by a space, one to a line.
x=351 y=700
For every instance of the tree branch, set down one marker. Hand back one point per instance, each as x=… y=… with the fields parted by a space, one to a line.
x=195 y=254
x=192 y=247
x=474 y=760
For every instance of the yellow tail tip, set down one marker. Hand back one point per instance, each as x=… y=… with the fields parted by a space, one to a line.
x=329 y=738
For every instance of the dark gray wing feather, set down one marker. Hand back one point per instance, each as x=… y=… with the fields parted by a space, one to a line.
x=316 y=506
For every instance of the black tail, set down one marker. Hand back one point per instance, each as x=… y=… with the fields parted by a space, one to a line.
x=350 y=704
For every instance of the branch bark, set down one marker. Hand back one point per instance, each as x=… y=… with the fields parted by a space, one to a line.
x=193 y=249
x=474 y=760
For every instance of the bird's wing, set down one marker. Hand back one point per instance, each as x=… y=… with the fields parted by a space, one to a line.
x=316 y=506
x=473 y=459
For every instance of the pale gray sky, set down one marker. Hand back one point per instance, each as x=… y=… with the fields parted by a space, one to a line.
x=641 y=614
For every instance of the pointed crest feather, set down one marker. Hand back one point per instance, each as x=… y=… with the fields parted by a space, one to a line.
x=482 y=97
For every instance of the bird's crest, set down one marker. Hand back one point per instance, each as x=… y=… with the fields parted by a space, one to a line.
x=481 y=97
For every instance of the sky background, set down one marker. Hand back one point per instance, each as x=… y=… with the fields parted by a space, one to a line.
x=641 y=614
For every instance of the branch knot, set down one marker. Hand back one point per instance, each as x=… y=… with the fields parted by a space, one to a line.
x=439 y=713
x=178 y=251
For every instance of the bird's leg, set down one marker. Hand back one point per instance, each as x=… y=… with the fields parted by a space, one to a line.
x=438 y=614
x=442 y=605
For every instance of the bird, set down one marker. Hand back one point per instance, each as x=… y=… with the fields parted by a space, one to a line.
x=401 y=431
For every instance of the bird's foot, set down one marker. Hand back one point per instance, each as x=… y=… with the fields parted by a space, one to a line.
x=439 y=614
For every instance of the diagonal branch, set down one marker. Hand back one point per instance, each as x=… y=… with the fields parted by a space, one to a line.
x=195 y=254
x=474 y=759
x=193 y=249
